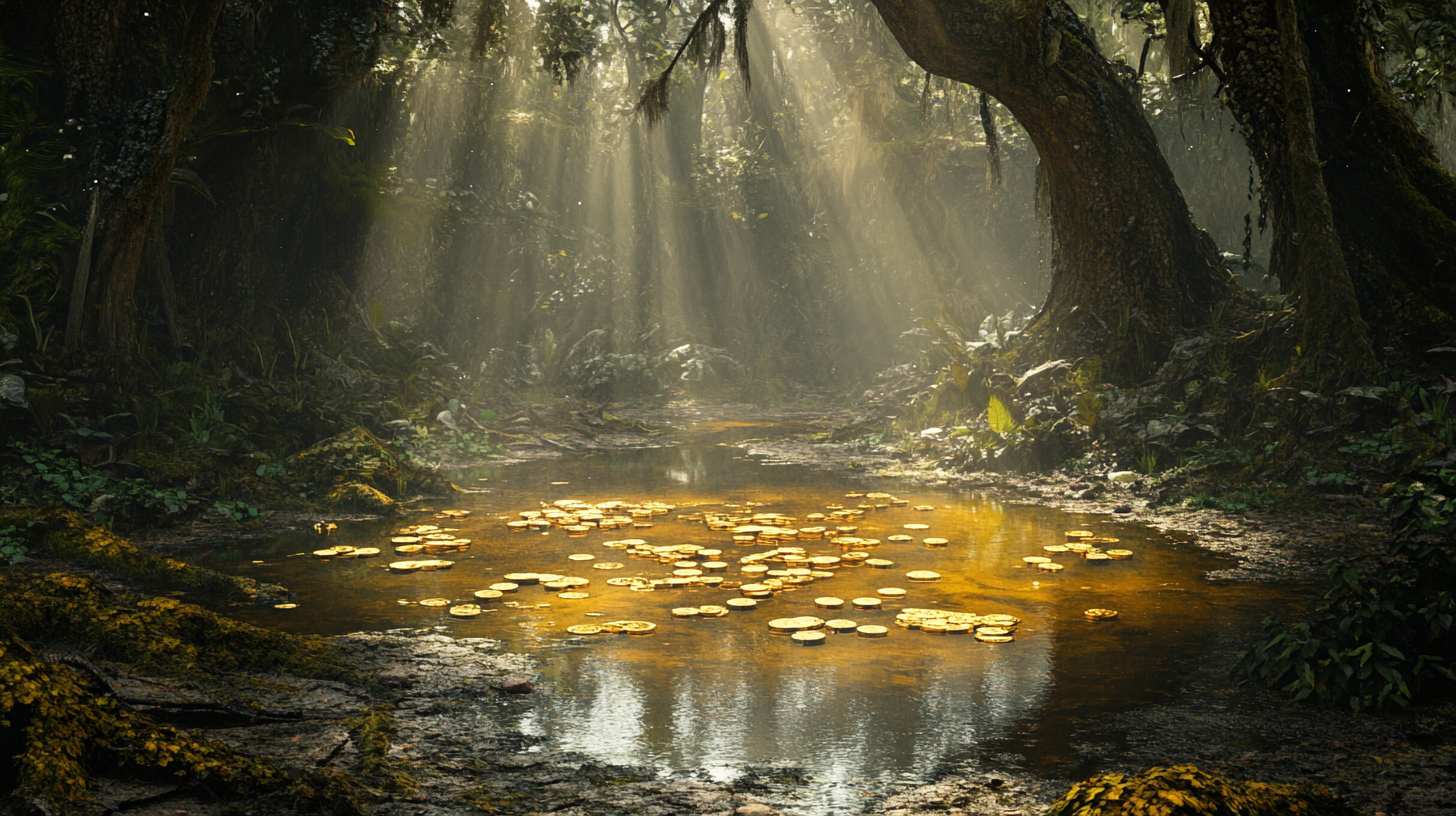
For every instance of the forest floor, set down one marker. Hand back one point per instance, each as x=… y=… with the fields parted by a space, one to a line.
x=444 y=696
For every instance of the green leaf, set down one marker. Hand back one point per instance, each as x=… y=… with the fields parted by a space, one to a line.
x=999 y=417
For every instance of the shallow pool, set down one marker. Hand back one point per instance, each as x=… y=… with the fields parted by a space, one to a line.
x=713 y=695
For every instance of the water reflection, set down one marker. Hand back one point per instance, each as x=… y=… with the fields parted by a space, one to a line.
x=716 y=695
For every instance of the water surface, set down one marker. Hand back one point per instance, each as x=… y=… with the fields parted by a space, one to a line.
x=714 y=695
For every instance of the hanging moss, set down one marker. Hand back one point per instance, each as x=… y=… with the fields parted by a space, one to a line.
x=1185 y=790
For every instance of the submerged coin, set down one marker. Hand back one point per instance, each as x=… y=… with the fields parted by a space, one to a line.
x=1100 y=614
x=1050 y=567
x=573 y=596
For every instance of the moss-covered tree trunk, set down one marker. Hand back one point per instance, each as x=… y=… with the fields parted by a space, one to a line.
x=1129 y=252
x=1391 y=207
x=128 y=214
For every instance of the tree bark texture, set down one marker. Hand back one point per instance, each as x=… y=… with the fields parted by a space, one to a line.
x=1391 y=205
x=129 y=213
x=1129 y=250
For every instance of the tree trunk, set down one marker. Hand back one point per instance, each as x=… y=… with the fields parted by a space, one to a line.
x=1391 y=205
x=130 y=213
x=1130 y=257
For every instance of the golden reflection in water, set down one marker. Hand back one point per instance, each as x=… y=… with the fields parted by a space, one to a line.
x=716 y=694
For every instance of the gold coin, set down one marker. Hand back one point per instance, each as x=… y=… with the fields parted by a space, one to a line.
x=687 y=573
x=1050 y=567
x=872 y=631
x=1078 y=535
x=465 y=611
x=712 y=611
x=505 y=586
x=435 y=564
x=936 y=542
x=900 y=538
x=1100 y=614
x=573 y=596
x=1097 y=558
x=638 y=627
x=866 y=603
x=435 y=602
x=808 y=638
x=405 y=539
x=890 y=592
x=924 y=507
x=985 y=638
x=922 y=575
x=1119 y=555
x=740 y=604
x=584 y=629
x=581 y=557
x=621 y=581
x=917 y=526
x=522 y=578
x=285 y=606
x=828 y=602
x=934 y=627
x=994 y=631
x=957 y=628
x=1036 y=559
x=840 y=625
x=405 y=566
x=1054 y=549
x=488 y=594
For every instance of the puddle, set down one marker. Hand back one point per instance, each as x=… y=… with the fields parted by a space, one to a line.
x=858 y=716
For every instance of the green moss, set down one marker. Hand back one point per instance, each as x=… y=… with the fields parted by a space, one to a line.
x=358 y=456
x=73 y=537
x=1185 y=790
x=362 y=498
x=372 y=732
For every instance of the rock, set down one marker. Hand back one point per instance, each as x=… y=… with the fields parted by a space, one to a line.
x=396 y=678
x=755 y=809
x=362 y=498
x=1122 y=508
x=517 y=685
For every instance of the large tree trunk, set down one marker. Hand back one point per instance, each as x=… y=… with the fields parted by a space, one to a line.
x=1130 y=256
x=1390 y=203
x=129 y=214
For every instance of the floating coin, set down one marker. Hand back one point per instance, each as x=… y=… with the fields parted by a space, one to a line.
x=808 y=638
x=584 y=629
x=687 y=573
x=712 y=611
x=1100 y=614
x=957 y=628
x=890 y=592
x=523 y=578
x=465 y=611
x=1050 y=567
x=866 y=603
x=1054 y=549
x=505 y=586
x=332 y=551
x=1078 y=535
x=407 y=539
x=622 y=581
x=740 y=604
x=714 y=566
x=1097 y=558
x=285 y=606
x=994 y=631
x=900 y=538
x=367 y=552
x=405 y=566
x=1118 y=555
x=985 y=638
x=488 y=594
x=581 y=557
x=924 y=507
x=435 y=602
x=685 y=612
x=435 y=564
x=934 y=627
x=922 y=575
x=638 y=627
x=936 y=542
x=872 y=631
x=607 y=565
x=840 y=625
x=573 y=596
x=825 y=561
x=1034 y=560
x=1079 y=548
x=828 y=602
